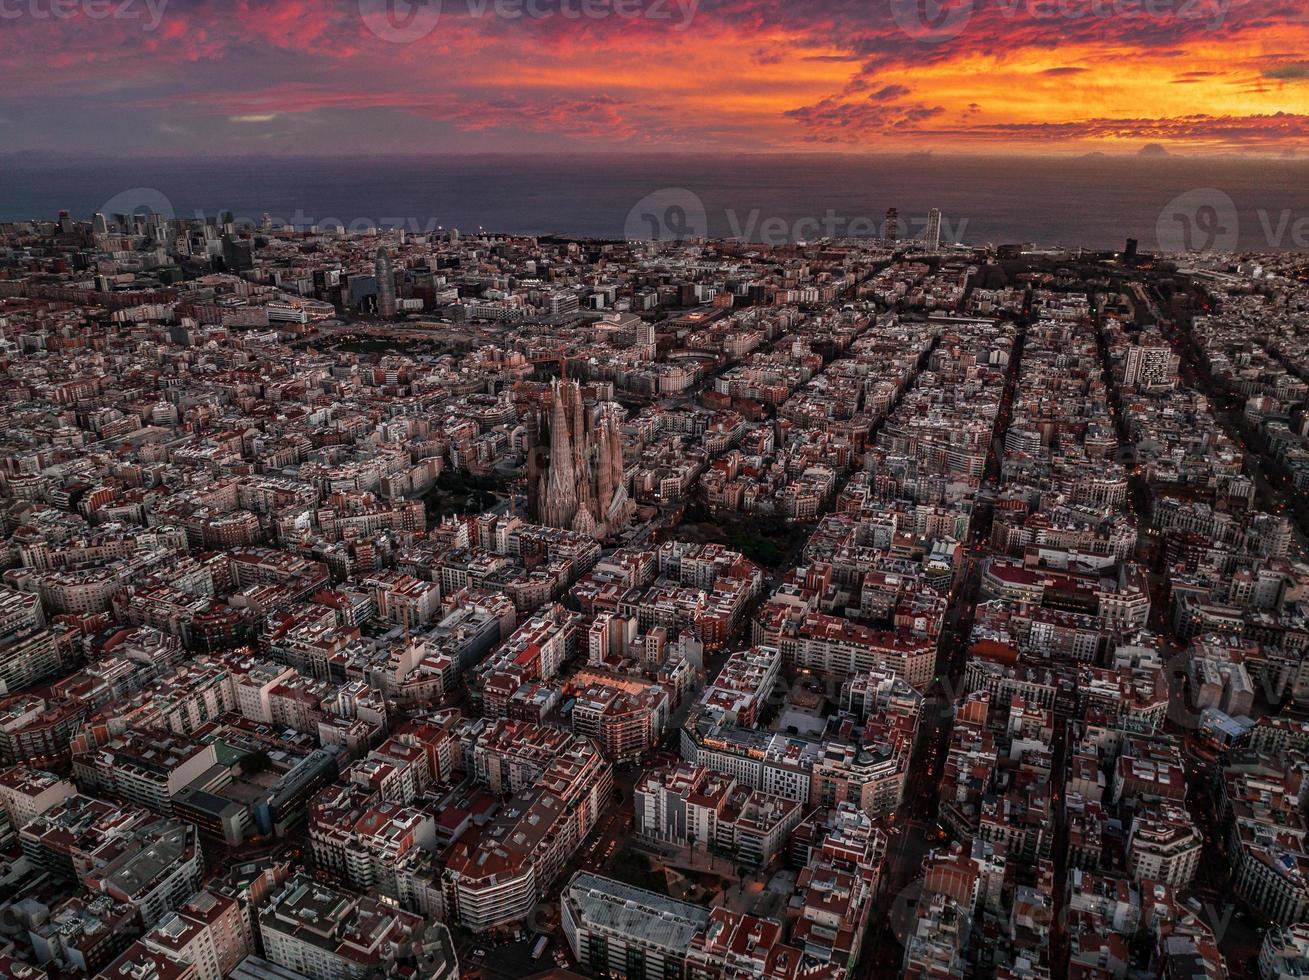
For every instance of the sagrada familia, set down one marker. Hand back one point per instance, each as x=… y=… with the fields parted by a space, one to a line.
x=583 y=487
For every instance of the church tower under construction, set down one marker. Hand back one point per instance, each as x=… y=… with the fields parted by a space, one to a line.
x=584 y=487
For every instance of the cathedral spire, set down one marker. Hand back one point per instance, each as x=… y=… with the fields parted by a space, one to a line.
x=604 y=475
x=560 y=503
x=583 y=486
x=615 y=457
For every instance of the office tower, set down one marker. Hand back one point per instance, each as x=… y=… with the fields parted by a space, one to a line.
x=1130 y=253
x=238 y=255
x=386 y=304
x=892 y=225
x=99 y=225
x=1151 y=365
x=934 y=230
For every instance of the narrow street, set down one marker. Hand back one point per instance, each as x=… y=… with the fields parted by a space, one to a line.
x=1236 y=939
x=1273 y=487
x=915 y=831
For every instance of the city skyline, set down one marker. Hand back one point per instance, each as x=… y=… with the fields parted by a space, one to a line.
x=440 y=604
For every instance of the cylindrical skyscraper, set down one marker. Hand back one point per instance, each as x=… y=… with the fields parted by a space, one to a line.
x=386 y=304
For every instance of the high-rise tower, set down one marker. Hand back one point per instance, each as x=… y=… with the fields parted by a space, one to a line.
x=386 y=304
x=934 y=230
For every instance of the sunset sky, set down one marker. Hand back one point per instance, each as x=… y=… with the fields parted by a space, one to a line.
x=339 y=76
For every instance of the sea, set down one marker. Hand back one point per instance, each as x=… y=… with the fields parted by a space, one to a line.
x=1171 y=203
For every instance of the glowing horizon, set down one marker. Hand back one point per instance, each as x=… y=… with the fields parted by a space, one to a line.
x=281 y=77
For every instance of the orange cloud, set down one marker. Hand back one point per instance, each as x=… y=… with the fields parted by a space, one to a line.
x=1216 y=75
